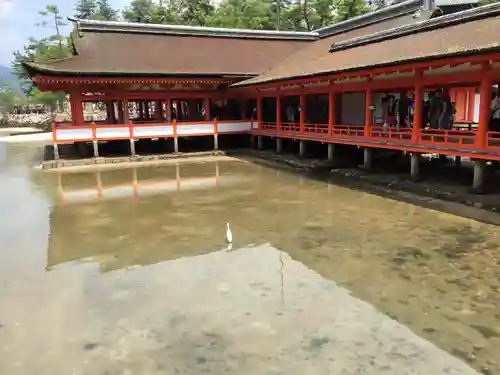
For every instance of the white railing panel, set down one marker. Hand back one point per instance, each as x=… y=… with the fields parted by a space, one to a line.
x=198 y=183
x=157 y=187
x=73 y=134
x=228 y=127
x=153 y=131
x=113 y=132
x=118 y=191
x=83 y=195
x=195 y=129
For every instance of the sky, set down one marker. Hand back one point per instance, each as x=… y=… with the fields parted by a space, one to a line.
x=18 y=19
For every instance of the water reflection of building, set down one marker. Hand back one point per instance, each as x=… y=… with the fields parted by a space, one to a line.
x=131 y=185
x=139 y=216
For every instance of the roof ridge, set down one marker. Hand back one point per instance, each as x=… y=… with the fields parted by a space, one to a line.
x=134 y=27
x=465 y=16
x=369 y=18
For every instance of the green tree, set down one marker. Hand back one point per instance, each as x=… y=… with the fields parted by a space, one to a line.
x=324 y=13
x=245 y=14
x=197 y=12
x=143 y=11
x=105 y=11
x=345 y=9
x=38 y=51
x=53 y=19
x=86 y=9
x=294 y=15
x=42 y=50
x=167 y=12
x=7 y=97
x=378 y=4
x=48 y=99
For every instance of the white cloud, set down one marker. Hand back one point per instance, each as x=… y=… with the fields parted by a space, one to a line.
x=6 y=9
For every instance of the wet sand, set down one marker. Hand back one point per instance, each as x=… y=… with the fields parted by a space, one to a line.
x=36 y=137
x=18 y=130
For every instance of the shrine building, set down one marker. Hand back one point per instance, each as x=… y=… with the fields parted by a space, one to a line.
x=369 y=82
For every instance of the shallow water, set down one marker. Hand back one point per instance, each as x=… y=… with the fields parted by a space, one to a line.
x=126 y=272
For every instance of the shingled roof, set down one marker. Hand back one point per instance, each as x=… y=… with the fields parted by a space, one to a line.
x=393 y=42
x=121 y=49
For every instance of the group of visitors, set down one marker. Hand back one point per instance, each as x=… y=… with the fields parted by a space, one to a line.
x=494 y=124
x=437 y=111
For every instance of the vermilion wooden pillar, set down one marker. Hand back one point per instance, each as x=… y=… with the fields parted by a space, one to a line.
x=259 y=112
x=168 y=107
x=302 y=114
x=484 y=109
x=331 y=111
x=278 y=112
x=75 y=102
x=471 y=96
x=418 y=107
x=206 y=106
x=159 y=110
x=368 y=113
x=125 y=115
x=244 y=105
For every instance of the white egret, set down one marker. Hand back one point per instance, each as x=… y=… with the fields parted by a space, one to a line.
x=229 y=234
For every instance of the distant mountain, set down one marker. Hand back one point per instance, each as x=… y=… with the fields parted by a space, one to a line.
x=6 y=75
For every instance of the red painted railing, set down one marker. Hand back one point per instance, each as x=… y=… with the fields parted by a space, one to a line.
x=441 y=136
x=64 y=132
x=316 y=128
x=391 y=133
x=290 y=127
x=348 y=131
x=493 y=140
x=460 y=138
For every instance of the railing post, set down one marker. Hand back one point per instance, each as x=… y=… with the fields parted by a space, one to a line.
x=302 y=113
x=368 y=112
x=56 y=151
x=132 y=140
x=216 y=137
x=54 y=139
x=176 y=141
x=331 y=111
x=54 y=131
x=484 y=109
x=95 y=145
x=417 y=108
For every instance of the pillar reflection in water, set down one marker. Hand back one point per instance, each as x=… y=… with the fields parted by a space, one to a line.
x=137 y=187
x=139 y=216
